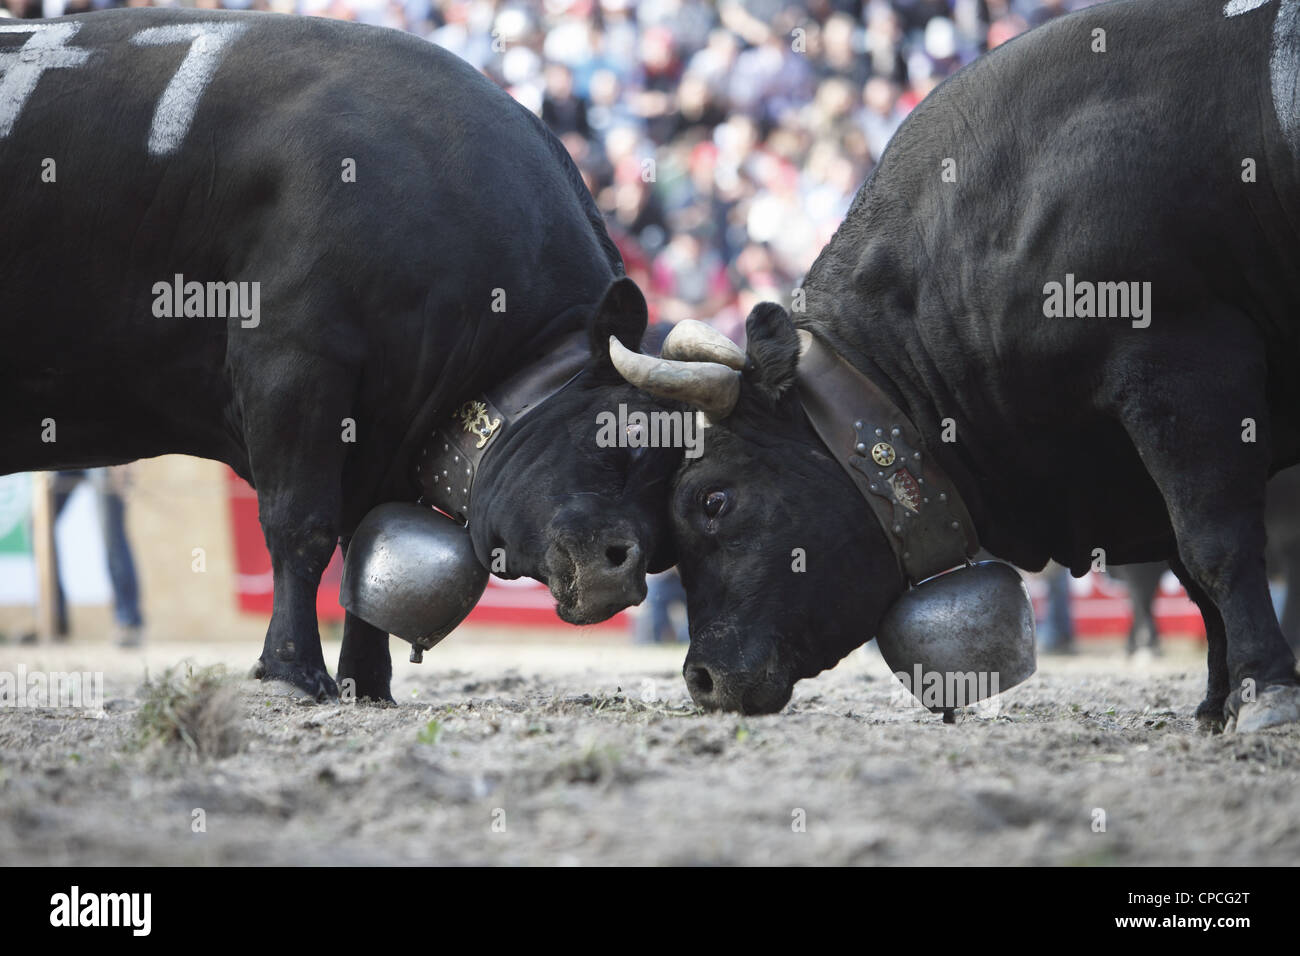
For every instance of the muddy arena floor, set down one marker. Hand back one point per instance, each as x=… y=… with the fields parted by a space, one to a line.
x=509 y=751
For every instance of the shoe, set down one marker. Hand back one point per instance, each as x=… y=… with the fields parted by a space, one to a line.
x=1058 y=649
x=129 y=637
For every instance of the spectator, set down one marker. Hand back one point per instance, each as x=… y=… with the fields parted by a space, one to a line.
x=110 y=486
x=1056 y=629
x=561 y=109
x=656 y=623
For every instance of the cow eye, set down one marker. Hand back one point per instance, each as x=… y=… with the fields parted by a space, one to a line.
x=715 y=502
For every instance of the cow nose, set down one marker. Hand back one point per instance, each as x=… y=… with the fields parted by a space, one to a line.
x=714 y=686
x=595 y=574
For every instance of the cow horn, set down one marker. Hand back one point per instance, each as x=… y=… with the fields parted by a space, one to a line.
x=709 y=386
x=693 y=341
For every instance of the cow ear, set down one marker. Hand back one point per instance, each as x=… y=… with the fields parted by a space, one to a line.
x=622 y=314
x=772 y=351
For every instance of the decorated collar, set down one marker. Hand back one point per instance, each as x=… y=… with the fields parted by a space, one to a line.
x=450 y=459
x=916 y=503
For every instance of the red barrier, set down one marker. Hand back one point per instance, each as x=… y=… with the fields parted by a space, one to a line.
x=1100 y=606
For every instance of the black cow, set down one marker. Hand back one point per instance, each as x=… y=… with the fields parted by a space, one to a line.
x=382 y=235
x=1141 y=141
x=1282 y=558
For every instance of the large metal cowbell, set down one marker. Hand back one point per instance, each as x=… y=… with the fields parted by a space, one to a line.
x=411 y=571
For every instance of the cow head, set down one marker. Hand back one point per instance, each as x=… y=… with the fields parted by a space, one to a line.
x=785 y=568
x=551 y=503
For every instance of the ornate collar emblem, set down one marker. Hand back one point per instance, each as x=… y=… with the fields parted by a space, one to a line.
x=473 y=417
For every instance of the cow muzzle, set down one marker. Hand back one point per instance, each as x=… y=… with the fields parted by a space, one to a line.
x=594 y=576
x=716 y=685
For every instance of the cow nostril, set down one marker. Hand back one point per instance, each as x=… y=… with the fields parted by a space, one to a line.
x=620 y=554
x=699 y=680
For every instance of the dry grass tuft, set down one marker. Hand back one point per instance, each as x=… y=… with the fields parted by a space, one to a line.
x=197 y=712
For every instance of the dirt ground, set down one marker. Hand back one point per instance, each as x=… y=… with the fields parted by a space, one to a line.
x=528 y=752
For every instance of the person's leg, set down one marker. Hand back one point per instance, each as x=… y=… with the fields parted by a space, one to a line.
x=1057 y=631
x=675 y=593
x=121 y=564
x=650 y=623
x=1143 y=582
x=643 y=630
x=661 y=620
x=65 y=483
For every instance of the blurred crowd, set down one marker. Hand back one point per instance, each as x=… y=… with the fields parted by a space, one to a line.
x=723 y=140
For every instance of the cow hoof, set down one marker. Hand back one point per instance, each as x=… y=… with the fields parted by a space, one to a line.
x=1209 y=715
x=297 y=680
x=365 y=691
x=1275 y=706
x=282 y=688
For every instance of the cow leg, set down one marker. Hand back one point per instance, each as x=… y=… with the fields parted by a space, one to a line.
x=292 y=651
x=1209 y=714
x=365 y=659
x=296 y=453
x=1213 y=485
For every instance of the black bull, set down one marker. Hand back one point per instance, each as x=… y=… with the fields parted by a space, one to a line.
x=1282 y=523
x=391 y=233
x=1132 y=142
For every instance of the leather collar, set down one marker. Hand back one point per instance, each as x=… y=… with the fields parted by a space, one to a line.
x=450 y=459
x=916 y=503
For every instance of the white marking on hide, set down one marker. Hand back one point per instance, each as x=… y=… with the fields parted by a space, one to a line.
x=1282 y=66
x=1235 y=7
x=21 y=69
x=175 y=111
x=1283 y=62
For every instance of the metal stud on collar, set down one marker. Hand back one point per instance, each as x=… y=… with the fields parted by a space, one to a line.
x=922 y=527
